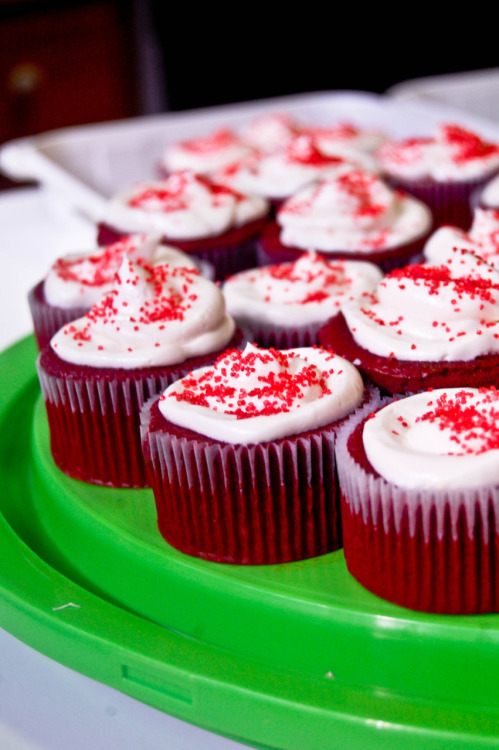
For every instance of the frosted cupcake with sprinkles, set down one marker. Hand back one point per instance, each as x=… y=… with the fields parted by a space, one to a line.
x=425 y=326
x=444 y=170
x=152 y=327
x=352 y=215
x=77 y=281
x=209 y=221
x=285 y=305
x=420 y=500
x=241 y=455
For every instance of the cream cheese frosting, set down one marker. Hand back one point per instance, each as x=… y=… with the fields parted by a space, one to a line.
x=280 y=173
x=80 y=279
x=482 y=238
x=153 y=315
x=345 y=137
x=447 y=312
x=453 y=154
x=257 y=395
x=308 y=290
x=352 y=212
x=184 y=206
x=205 y=153
x=489 y=197
x=443 y=439
x=270 y=131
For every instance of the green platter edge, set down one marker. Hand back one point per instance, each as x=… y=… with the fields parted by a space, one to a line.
x=292 y=656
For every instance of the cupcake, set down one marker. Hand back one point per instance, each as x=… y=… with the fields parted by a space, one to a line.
x=353 y=215
x=77 y=281
x=419 y=485
x=276 y=175
x=204 y=154
x=284 y=305
x=211 y=222
x=444 y=170
x=152 y=327
x=482 y=238
x=425 y=326
x=241 y=455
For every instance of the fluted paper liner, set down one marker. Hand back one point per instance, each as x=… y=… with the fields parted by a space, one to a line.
x=48 y=319
x=248 y=504
x=429 y=550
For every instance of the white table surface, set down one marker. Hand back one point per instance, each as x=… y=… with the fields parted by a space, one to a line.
x=43 y=704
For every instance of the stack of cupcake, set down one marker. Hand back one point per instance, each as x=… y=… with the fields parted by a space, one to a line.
x=348 y=355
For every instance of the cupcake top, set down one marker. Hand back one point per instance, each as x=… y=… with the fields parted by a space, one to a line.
x=270 y=131
x=184 y=206
x=309 y=290
x=279 y=174
x=257 y=395
x=345 y=137
x=482 y=239
x=153 y=315
x=447 y=312
x=453 y=154
x=80 y=279
x=206 y=153
x=443 y=439
x=352 y=212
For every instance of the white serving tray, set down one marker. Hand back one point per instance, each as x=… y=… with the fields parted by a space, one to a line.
x=86 y=165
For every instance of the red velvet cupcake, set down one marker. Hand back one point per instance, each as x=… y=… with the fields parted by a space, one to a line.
x=152 y=327
x=420 y=500
x=285 y=305
x=426 y=325
x=444 y=171
x=209 y=221
x=76 y=282
x=241 y=455
x=353 y=216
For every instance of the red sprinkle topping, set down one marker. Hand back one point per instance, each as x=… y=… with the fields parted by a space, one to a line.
x=468 y=421
x=276 y=392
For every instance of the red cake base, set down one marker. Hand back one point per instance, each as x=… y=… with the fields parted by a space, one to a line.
x=403 y=376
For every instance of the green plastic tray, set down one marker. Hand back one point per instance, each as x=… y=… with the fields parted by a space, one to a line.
x=296 y=656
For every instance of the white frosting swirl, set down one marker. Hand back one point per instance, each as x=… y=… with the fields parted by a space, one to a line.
x=307 y=291
x=435 y=313
x=482 y=239
x=184 y=206
x=489 y=197
x=271 y=131
x=453 y=154
x=443 y=439
x=280 y=173
x=153 y=315
x=264 y=394
x=204 y=154
x=352 y=212
x=80 y=279
x=345 y=138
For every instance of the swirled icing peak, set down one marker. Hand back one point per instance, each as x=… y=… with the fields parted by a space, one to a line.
x=482 y=238
x=354 y=211
x=80 y=279
x=153 y=315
